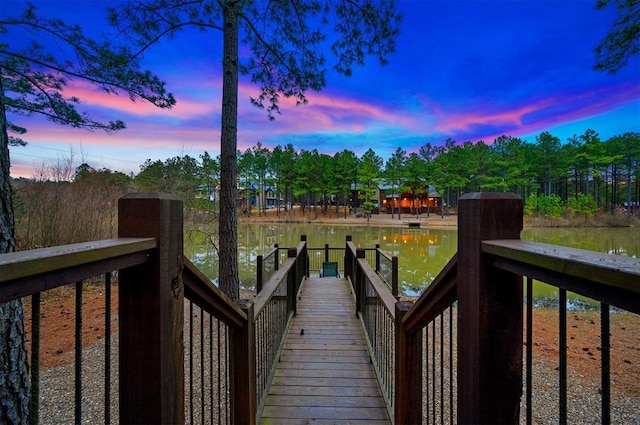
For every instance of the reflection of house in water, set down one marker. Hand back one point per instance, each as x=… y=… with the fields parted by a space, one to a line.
x=272 y=236
x=425 y=241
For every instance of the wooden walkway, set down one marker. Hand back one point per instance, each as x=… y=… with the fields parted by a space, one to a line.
x=325 y=375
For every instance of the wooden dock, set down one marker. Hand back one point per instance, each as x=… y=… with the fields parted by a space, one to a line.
x=325 y=375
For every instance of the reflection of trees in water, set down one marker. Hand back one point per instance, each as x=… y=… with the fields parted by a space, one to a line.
x=422 y=252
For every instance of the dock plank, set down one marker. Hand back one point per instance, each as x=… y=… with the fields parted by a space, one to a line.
x=325 y=374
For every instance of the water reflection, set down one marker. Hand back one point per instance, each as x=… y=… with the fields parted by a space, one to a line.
x=422 y=252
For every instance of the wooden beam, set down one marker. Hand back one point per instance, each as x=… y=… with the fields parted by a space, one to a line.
x=151 y=309
x=489 y=313
x=22 y=264
x=408 y=370
x=242 y=368
x=605 y=273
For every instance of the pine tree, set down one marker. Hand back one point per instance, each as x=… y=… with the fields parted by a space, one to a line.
x=32 y=82
x=287 y=41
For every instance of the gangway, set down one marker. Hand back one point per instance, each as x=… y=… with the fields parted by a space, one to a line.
x=325 y=373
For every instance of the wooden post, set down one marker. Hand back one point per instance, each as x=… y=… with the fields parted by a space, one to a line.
x=151 y=309
x=408 y=403
x=243 y=368
x=347 y=258
x=259 y=275
x=489 y=313
x=394 y=276
x=378 y=257
x=276 y=262
x=360 y=290
x=292 y=281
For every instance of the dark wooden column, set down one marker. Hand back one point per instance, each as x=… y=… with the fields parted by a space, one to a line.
x=242 y=369
x=151 y=308
x=408 y=368
x=489 y=313
x=293 y=284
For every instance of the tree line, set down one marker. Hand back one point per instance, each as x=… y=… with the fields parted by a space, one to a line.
x=584 y=174
x=604 y=171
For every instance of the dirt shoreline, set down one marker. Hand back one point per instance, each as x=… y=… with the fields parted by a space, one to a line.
x=330 y=217
x=432 y=220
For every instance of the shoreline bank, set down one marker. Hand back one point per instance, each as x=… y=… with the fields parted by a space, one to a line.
x=422 y=220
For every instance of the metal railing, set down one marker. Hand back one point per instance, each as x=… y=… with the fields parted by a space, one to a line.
x=611 y=281
x=266 y=266
x=481 y=378
x=426 y=384
x=317 y=256
x=147 y=382
x=32 y=274
x=214 y=329
x=271 y=312
x=375 y=307
x=387 y=268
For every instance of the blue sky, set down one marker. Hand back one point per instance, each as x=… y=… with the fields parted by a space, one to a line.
x=466 y=70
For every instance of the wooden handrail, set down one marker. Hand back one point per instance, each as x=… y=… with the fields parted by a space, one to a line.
x=198 y=289
x=613 y=279
x=262 y=299
x=384 y=254
x=30 y=272
x=381 y=289
x=20 y=264
x=438 y=296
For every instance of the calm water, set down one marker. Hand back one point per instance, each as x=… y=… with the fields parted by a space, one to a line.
x=422 y=252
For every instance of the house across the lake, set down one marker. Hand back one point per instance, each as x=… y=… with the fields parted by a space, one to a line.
x=389 y=199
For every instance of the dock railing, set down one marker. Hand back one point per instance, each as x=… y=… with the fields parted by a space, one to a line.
x=387 y=267
x=266 y=266
x=31 y=274
x=154 y=373
x=375 y=306
x=318 y=256
x=270 y=312
x=459 y=347
x=455 y=356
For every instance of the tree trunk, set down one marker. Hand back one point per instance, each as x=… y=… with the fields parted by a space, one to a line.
x=229 y=282
x=14 y=368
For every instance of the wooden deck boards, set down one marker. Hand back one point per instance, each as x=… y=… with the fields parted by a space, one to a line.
x=325 y=375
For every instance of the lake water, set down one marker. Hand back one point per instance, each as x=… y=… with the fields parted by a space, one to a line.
x=422 y=252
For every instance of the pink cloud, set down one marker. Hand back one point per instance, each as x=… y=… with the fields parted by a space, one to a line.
x=185 y=108
x=464 y=121
x=21 y=169
x=150 y=136
x=551 y=110
x=323 y=112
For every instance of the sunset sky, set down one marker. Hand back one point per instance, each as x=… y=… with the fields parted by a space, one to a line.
x=466 y=70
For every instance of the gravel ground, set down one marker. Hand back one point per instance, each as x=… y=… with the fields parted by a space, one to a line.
x=583 y=393
x=57 y=387
x=57 y=383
